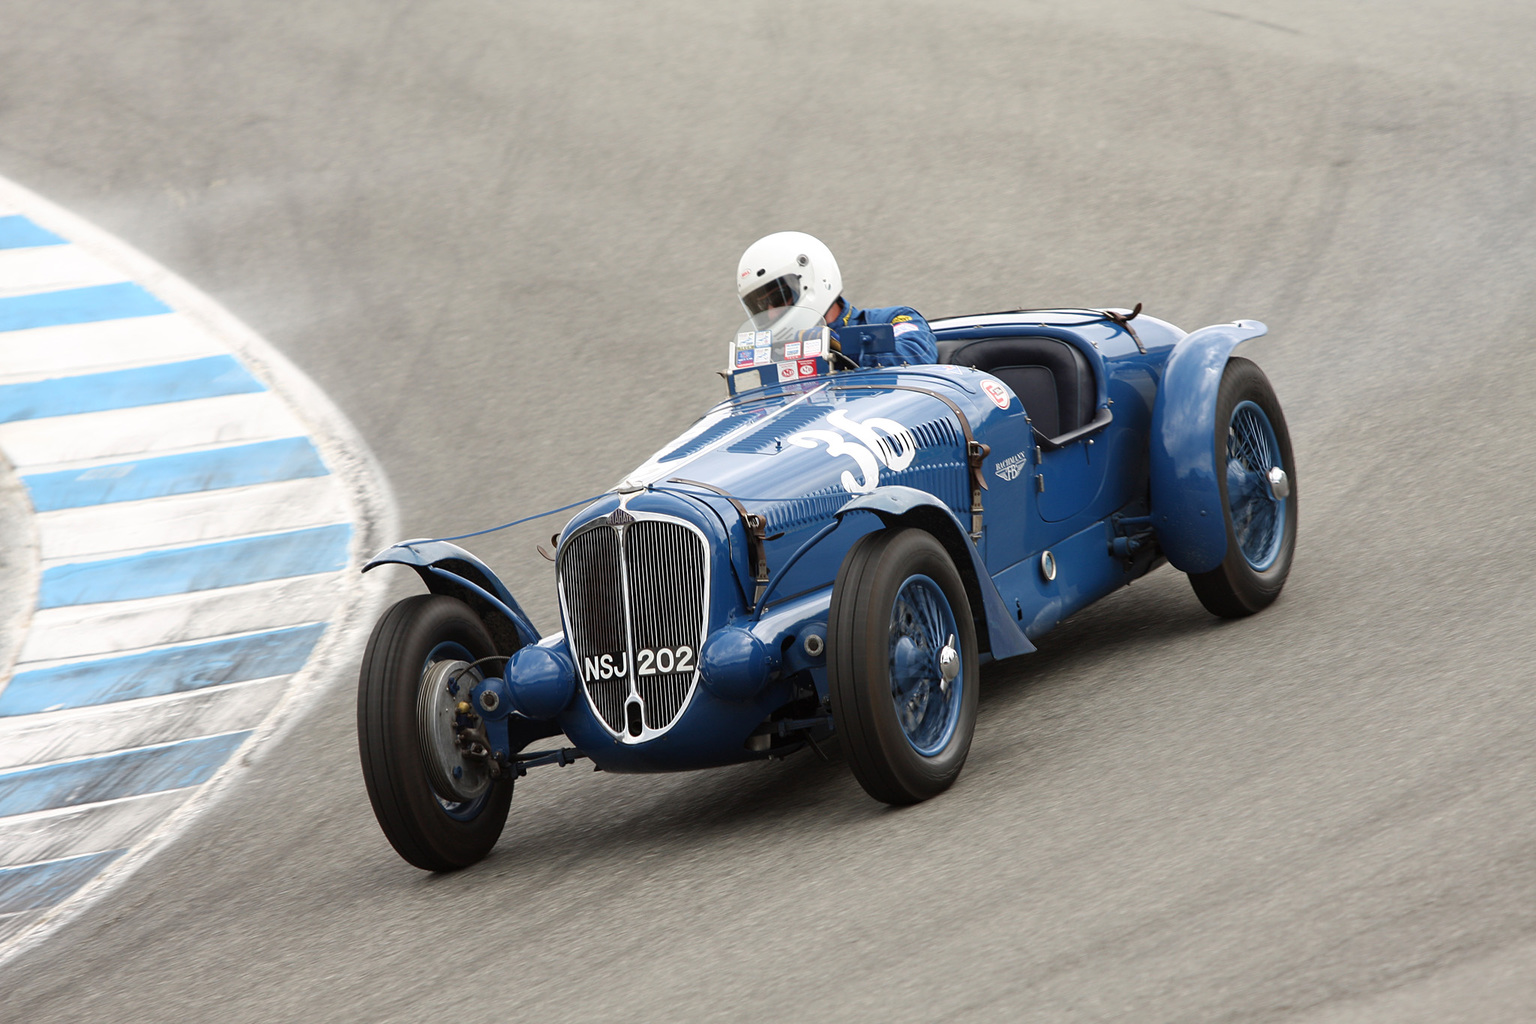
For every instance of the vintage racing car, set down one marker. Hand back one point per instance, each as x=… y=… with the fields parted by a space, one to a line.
x=834 y=552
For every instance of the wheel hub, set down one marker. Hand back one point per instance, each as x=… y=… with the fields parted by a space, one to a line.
x=949 y=663
x=453 y=776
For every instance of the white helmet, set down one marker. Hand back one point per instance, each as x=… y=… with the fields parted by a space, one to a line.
x=787 y=269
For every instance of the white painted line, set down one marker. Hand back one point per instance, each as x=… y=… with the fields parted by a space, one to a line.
x=71 y=831
x=44 y=352
x=27 y=740
x=84 y=631
x=352 y=493
x=79 y=441
x=14 y=924
x=100 y=531
x=51 y=268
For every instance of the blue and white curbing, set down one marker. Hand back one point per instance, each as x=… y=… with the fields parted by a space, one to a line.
x=200 y=511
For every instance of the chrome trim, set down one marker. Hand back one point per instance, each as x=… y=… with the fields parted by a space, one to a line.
x=949 y=663
x=577 y=641
x=1279 y=484
x=620 y=525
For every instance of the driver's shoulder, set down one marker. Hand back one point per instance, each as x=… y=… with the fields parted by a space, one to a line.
x=893 y=315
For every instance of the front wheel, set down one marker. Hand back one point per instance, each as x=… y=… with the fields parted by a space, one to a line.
x=902 y=665
x=1256 y=473
x=440 y=809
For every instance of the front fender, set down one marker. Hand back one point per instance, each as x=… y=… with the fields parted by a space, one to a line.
x=1186 y=495
x=908 y=506
x=448 y=569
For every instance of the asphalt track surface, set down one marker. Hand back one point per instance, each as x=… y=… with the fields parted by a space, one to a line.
x=501 y=237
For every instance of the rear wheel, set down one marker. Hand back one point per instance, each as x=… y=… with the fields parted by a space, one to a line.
x=439 y=809
x=902 y=665
x=1256 y=473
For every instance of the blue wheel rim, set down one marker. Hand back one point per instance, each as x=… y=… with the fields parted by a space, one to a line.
x=922 y=622
x=460 y=810
x=1258 y=517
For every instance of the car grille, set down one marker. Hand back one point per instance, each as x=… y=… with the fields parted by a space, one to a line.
x=634 y=593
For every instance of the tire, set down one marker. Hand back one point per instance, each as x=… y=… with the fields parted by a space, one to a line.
x=905 y=731
x=422 y=641
x=1251 y=440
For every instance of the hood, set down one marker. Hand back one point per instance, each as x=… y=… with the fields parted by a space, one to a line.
x=798 y=454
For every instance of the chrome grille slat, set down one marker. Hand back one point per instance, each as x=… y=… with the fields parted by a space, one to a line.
x=594 y=595
x=666 y=578
x=661 y=565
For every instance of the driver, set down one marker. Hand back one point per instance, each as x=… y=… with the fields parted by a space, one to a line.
x=790 y=269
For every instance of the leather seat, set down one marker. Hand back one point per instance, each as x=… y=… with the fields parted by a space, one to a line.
x=1051 y=377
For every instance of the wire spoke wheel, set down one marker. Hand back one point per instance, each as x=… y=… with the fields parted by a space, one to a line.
x=1258 y=517
x=1257 y=478
x=927 y=705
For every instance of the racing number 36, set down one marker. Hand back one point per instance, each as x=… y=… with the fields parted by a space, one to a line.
x=869 y=449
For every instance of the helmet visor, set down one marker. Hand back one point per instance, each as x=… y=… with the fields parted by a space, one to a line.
x=776 y=294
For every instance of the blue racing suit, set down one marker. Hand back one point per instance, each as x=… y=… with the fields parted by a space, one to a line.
x=915 y=343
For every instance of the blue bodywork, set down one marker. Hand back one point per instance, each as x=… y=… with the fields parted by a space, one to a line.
x=779 y=481
x=1184 y=488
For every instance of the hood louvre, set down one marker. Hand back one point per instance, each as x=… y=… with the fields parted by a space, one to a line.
x=767 y=440
x=711 y=434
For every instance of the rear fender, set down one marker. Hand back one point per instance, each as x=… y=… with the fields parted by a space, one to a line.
x=448 y=569
x=1186 y=496
x=996 y=630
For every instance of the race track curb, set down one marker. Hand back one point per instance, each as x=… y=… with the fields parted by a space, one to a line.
x=200 y=511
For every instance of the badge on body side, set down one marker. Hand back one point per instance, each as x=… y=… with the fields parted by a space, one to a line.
x=1012 y=466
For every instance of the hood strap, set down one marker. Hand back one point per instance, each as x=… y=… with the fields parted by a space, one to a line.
x=756 y=529
x=1123 y=321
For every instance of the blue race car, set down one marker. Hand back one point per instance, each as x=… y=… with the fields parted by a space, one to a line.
x=834 y=552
